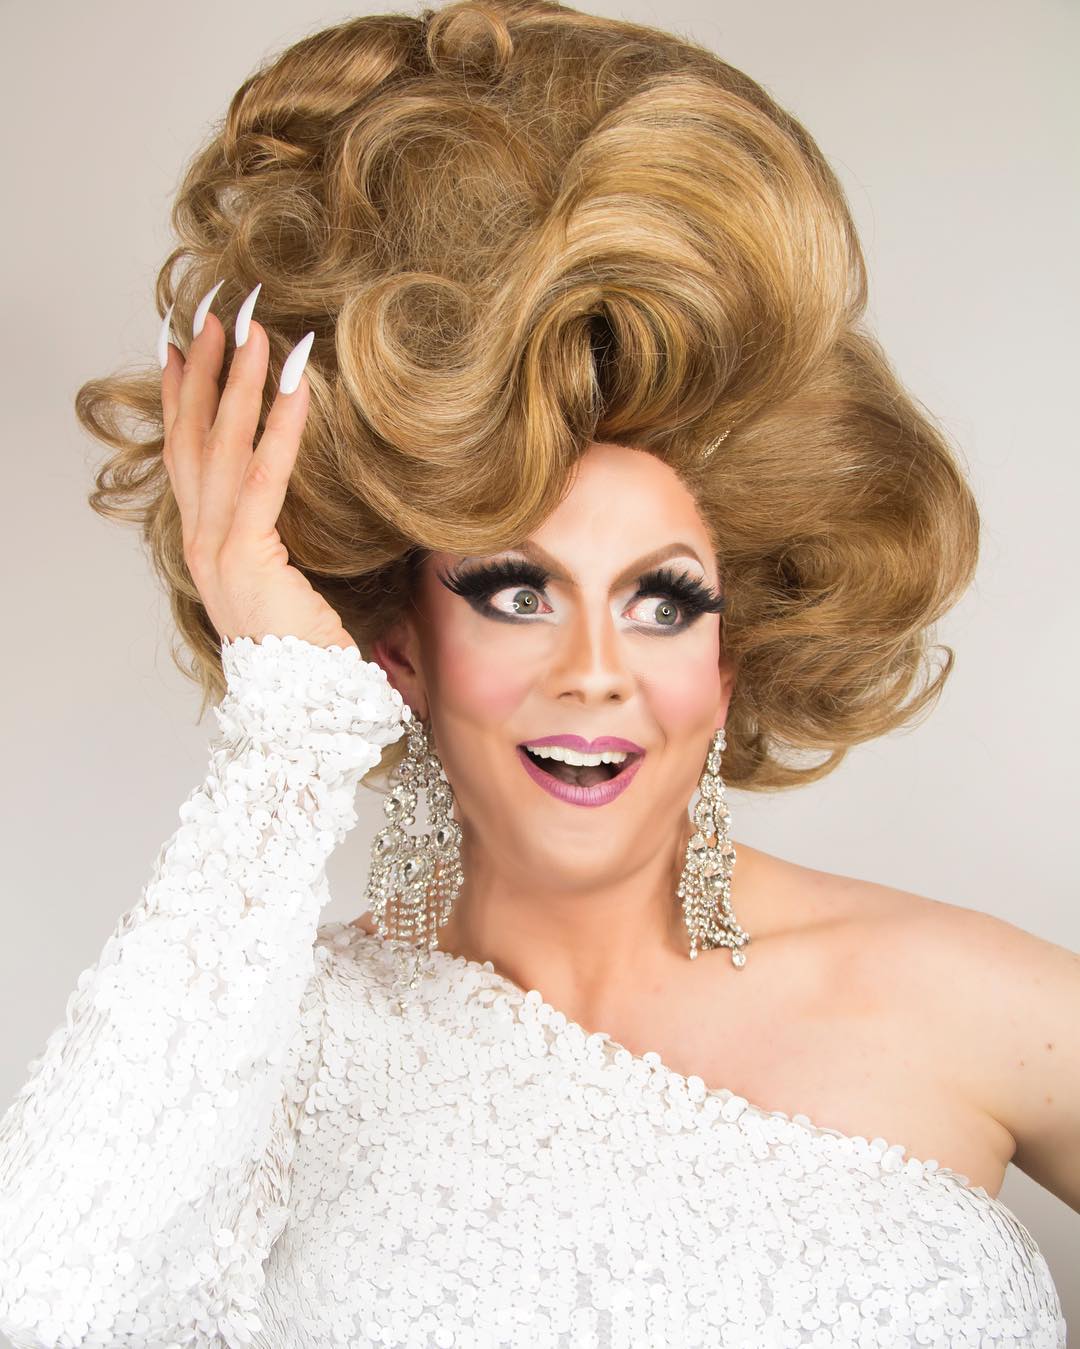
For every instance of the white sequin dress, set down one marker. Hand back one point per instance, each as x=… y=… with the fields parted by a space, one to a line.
x=237 y=1139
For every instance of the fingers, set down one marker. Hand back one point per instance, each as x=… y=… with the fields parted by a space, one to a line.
x=189 y=393
x=228 y=445
x=223 y=486
x=263 y=491
x=185 y=486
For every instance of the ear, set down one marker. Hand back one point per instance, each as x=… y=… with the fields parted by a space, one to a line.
x=398 y=652
x=727 y=688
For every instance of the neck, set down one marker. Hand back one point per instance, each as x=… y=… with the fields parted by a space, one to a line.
x=588 y=947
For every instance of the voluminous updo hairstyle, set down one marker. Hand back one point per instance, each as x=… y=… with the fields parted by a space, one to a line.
x=516 y=229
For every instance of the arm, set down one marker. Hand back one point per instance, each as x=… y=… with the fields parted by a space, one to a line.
x=1011 y=1001
x=1030 y=1048
x=144 y=1166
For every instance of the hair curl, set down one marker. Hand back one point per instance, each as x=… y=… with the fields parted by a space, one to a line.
x=517 y=229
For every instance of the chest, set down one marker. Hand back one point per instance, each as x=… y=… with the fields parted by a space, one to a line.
x=806 y=1028
x=566 y=1226
x=478 y=1172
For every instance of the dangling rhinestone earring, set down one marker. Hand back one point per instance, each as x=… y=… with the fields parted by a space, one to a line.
x=706 y=875
x=418 y=876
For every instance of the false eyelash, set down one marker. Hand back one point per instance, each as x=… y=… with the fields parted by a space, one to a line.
x=478 y=584
x=692 y=596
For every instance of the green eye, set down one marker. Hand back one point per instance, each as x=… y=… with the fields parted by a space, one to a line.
x=527 y=607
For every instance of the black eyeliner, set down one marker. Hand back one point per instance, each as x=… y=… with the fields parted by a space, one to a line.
x=477 y=584
x=692 y=595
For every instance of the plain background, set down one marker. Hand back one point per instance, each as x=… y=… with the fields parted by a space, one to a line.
x=953 y=130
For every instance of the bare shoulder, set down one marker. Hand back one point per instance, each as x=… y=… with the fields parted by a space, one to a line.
x=365 y=923
x=995 y=1008
x=970 y=968
x=786 y=897
x=1014 y=999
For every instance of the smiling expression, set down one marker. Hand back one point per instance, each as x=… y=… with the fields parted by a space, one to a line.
x=604 y=623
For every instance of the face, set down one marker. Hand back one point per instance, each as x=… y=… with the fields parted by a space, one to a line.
x=576 y=635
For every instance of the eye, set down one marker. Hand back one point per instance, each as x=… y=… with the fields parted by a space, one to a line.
x=666 y=612
x=525 y=581
x=478 y=584
x=523 y=600
x=677 y=592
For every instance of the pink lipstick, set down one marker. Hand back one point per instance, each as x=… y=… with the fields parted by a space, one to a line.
x=601 y=792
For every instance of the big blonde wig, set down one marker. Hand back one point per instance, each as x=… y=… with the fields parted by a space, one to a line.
x=516 y=229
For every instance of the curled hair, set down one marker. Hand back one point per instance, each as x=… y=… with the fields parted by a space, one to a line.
x=517 y=229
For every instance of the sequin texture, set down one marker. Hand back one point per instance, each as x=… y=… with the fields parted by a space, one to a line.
x=237 y=1138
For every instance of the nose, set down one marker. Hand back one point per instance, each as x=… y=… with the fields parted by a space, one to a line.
x=589 y=664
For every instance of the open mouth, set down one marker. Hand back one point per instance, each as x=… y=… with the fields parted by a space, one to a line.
x=580 y=775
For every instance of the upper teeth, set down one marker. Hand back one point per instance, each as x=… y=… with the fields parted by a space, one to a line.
x=573 y=756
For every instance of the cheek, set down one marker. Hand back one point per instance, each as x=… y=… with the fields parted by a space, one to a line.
x=685 y=691
x=480 y=692
x=481 y=682
x=483 y=690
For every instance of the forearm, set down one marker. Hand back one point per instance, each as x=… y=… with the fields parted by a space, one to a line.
x=144 y=1163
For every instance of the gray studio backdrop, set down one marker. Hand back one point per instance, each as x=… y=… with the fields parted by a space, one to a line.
x=952 y=128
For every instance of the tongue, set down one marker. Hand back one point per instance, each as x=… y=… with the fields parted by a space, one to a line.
x=587 y=775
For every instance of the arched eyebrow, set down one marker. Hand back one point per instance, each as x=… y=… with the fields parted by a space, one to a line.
x=535 y=553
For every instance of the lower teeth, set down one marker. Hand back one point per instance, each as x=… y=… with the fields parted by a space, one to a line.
x=578 y=775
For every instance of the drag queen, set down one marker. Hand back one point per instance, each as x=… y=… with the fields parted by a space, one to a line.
x=523 y=457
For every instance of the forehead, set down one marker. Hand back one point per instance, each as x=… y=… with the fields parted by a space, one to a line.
x=622 y=504
x=615 y=486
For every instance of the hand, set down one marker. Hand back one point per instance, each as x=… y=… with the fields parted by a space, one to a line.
x=230 y=494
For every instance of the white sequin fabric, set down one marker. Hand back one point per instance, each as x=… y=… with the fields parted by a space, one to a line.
x=238 y=1137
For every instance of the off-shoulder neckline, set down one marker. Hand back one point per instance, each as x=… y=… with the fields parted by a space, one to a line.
x=929 y=1171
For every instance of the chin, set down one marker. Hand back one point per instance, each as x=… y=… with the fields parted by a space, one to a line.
x=593 y=858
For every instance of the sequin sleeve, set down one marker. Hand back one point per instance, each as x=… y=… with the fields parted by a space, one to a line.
x=145 y=1164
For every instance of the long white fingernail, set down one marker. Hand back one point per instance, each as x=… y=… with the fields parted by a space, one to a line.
x=163 y=339
x=243 y=319
x=204 y=309
x=294 y=364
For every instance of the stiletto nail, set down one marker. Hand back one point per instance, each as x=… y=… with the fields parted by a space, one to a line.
x=243 y=319
x=163 y=338
x=204 y=308
x=294 y=364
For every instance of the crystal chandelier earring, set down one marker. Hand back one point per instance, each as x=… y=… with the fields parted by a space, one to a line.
x=415 y=878
x=705 y=882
